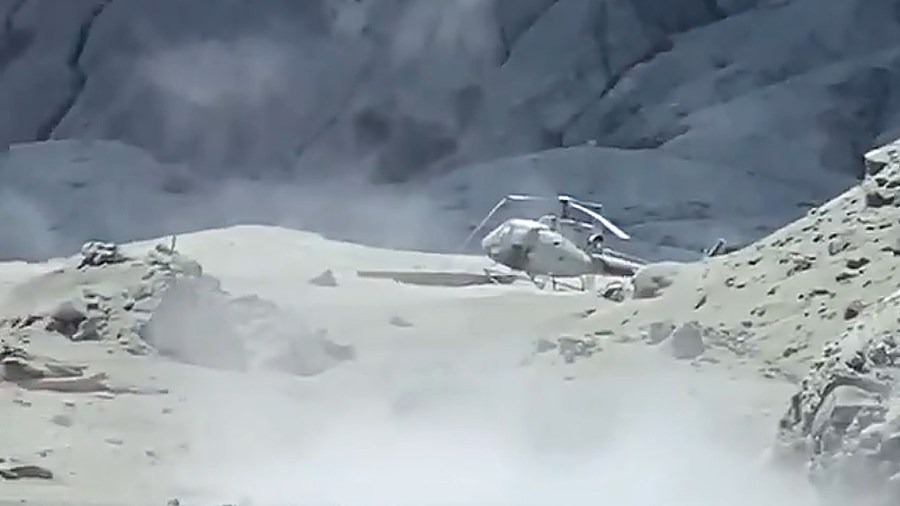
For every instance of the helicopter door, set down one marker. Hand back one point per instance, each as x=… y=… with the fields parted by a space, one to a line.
x=556 y=255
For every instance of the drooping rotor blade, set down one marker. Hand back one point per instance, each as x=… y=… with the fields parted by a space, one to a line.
x=593 y=205
x=483 y=222
x=519 y=197
x=618 y=232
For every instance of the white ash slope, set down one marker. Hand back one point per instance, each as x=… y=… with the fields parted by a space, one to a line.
x=445 y=382
x=844 y=419
x=826 y=282
x=781 y=298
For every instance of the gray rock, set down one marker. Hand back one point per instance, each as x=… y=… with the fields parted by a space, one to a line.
x=651 y=280
x=844 y=416
x=659 y=332
x=66 y=319
x=686 y=342
x=325 y=279
x=572 y=348
x=399 y=321
x=98 y=254
x=26 y=472
x=614 y=291
x=89 y=329
x=853 y=309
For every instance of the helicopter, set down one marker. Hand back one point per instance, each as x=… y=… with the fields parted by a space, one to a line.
x=555 y=245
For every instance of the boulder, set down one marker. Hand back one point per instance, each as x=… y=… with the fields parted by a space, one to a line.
x=686 y=342
x=98 y=254
x=651 y=280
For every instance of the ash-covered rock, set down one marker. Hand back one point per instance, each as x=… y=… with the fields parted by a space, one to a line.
x=325 y=279
x=98 y=254
x=168 y=305
x=686 y=341
x=570 y=348
x=616 y=291
x=189 y=317
x=652 y=280
x=845 y=419
x=66 y=318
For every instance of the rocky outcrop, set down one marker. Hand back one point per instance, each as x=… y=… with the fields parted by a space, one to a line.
x=176 y=310
x=845 y=418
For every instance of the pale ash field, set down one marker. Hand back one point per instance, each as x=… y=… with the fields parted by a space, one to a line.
x=446 y=401
x=221 y=373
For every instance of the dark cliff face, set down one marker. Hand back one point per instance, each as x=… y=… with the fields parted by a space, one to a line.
x=688 y=119
x=397 y=87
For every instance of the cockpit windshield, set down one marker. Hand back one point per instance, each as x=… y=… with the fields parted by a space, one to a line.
x=512 y=231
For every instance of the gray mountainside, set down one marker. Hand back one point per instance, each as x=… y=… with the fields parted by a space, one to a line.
x=770 y=101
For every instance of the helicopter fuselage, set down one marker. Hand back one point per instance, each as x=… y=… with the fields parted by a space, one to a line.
x=535 y=248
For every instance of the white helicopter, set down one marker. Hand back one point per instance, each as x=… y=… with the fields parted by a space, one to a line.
x=555 y=245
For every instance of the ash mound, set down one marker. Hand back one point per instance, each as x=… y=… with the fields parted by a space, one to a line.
x=814 y=303
x=164 y=304
x=785 y=295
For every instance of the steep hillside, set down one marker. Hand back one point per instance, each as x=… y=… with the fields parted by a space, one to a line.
x=780 y=299
x=784 y=88
x=62 y=193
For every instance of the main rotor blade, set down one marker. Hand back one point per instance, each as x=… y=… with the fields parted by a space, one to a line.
x=520 y=197
x=618 y=232
x=483 y=222
x=595 y=205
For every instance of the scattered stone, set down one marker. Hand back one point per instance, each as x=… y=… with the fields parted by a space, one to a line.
x=659 y=332
x=876 y=197
x=700 y=302
x=853 y=310
x=857 y=263
x=845 y=276
x=792 y=349
x=66 y=319
x=325 y=279
x=398 y=321
x=686 y=342
x=98 y=254
x=26 y=472
x=651 y=280
x=62 y=420
x=838 y=245
x=571 y=348
x=88 y=329
x=586 y=313
x=798 y=263
x=614 y=291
